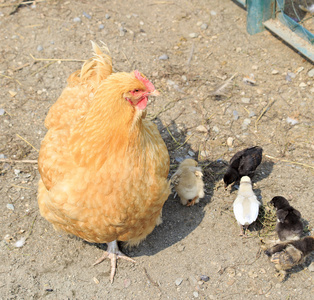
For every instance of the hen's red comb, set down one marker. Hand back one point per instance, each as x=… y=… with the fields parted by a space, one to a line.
x=150 y=87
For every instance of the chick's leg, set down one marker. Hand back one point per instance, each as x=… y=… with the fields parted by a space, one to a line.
x=192 y=202
x=113 y=253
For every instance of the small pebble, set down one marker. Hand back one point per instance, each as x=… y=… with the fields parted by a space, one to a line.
x=184 y=78
x=201 y=128
x=204 y=278
x=163 y=57
x=311 y=73
x=193 y=35
x=195 y=294
x=311 y=267
x=290 y=76
x=230 y=141
x=235 y=115
x=2 y=156
x=292 y=121
x=252 y=114
x=215 y=129
x=122 y=31
x=17 y=172
x=181 y=248
x=213 y=13
x=204 y=153
x=12 y=93
x=2 y=111
x=20 y=243
x=178 y=281
x=245 y=123
x=179 y=159
x=127 y=283
x=40 y=48
x=86 y=15
x=101 y=26
x=10 y=206
x=275 y=72
x=204 y=26
x=141 y=23
x=107 y=17
x=246 y=100
x=302 y=84
x=255 y=67
x=77 y=20
x=191 y=153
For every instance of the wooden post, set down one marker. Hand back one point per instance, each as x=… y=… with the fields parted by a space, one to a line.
x=259 y=11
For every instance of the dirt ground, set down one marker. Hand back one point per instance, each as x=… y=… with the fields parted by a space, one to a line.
x=187 y=49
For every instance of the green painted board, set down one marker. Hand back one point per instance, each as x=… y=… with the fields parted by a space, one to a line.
x=291 y=38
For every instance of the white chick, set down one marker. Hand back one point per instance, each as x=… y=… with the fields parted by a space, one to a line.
x=246 y=205
x=188 y=182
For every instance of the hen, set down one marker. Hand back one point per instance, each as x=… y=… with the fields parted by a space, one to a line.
x=103 y=166
x=188 y=182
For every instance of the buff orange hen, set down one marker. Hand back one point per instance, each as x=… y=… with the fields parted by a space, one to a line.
x=103 y=166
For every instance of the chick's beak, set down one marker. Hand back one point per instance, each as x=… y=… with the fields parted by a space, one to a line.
x=154 y=93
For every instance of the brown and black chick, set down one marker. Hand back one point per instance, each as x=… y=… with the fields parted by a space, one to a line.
x=243 y=163
x=289 y=254
x=289 y=225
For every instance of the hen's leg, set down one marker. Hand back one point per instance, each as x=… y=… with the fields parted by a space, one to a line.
x=113 y=253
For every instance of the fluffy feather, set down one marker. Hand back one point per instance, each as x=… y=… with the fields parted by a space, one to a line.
x=289 y=254
x=246 y=205
x=243 y=163
x=289 y=225
x=188 y=182
x=103 y=166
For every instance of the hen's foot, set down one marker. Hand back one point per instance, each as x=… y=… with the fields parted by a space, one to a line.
x=113 y=253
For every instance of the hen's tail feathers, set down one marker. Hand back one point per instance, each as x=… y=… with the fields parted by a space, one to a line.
x=95 y=69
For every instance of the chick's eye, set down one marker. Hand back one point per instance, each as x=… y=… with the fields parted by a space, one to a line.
x=136 y=91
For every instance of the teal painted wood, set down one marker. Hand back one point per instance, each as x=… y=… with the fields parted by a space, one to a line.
x=296 y=28
x=258 y=11
x=242 y=2
x=291 y=38
x=293 y=25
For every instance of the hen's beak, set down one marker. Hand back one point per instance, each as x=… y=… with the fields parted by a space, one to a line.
x=154 y=93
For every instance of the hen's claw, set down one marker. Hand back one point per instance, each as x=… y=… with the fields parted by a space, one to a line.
x=113 y=253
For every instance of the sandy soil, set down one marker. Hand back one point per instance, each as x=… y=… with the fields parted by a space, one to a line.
x=205 y=43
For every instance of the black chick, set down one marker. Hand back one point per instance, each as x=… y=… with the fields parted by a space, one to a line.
x=289 y=254
x=243 y=163
x=289 y=225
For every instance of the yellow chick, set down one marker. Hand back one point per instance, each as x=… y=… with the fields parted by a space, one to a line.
x=188 y=182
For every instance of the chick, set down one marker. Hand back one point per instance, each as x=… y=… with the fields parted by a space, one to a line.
x=289 y=254
x=289 y=225
x=246 y=205
x=188 y=182
x=243 y=163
